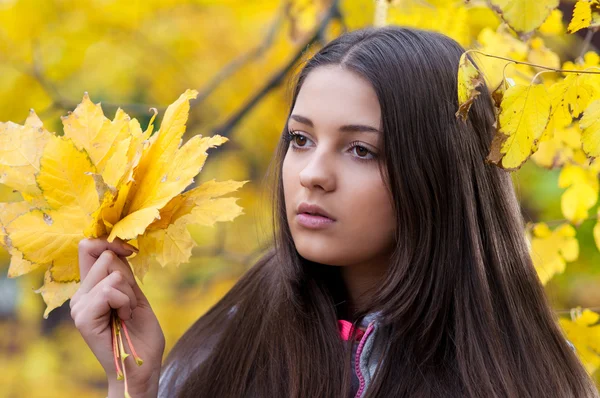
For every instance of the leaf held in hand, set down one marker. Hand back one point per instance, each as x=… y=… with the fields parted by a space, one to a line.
x=105 y=177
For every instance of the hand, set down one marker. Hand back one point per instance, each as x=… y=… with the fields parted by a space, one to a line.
x=107 y=282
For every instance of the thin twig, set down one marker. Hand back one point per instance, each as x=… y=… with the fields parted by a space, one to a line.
x=534 y=65
x=531 y=224
x=226 y=128
x=231 y=68
x=586 y=42
x=595 y=309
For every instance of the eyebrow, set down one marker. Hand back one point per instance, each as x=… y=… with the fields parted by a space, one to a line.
x=349 y=128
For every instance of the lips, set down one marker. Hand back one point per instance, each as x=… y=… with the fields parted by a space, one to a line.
x=313 y=209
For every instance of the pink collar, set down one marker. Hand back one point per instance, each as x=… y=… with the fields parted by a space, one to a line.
x=345 y=329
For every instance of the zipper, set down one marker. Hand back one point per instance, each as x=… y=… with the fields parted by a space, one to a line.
x=359 y=350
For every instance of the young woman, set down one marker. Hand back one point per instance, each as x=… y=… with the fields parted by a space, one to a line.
x=399 y=266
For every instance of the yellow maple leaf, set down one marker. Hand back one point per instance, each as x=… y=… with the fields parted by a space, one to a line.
x=164 y=171
x=550 y=250
x=62 y=177
x=523 y=117
x=50 y=237
x=584 y=333
x=21 y=148
x=91 y=131
x=55 y=293
x=105 y=177
x=8 y=212
x=168 y=241
x=524 y=15
x=469 y=78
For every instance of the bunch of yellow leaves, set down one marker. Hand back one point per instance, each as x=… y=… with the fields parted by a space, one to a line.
x=100 y=178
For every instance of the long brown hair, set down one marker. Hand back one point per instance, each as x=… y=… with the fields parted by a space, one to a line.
x=462 y=310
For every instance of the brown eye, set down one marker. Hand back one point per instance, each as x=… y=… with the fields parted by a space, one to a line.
x=361 y=151
x=299 y=140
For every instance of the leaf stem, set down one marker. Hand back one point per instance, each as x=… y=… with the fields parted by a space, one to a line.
x=138 y=360
x=114 y=344
x=535 y=65
x=124 y=355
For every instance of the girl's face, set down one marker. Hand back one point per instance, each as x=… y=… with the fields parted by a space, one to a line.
x=332 y=162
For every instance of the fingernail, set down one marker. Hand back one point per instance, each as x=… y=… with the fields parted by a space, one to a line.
x=127 y=246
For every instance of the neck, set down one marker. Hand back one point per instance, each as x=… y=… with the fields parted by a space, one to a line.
x=360 y=279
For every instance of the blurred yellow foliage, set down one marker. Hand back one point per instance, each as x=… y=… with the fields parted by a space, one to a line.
x=239 y=56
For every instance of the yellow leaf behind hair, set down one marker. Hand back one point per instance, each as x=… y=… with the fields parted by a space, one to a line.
x=525 y=111
x=469 y=78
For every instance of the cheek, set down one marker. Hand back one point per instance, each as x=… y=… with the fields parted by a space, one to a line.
x=369 y=215
x=289 y=177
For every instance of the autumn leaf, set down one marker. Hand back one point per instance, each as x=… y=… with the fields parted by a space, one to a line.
x=576 y=91
x=581 y=193
x=8 y=212
x=590 y=126
x=562 y=146
x=523 y=117
x=550 y=250
x=541 y=55
x=524 y=15
x=62 y=177
x=585 y=15
x=584 y=333
x=164 y=171
x=503 y=43
x=469 y=78
x=553 y=25
x=168 y=241
x=105 y=177
x=55 y=293
x=21 y=148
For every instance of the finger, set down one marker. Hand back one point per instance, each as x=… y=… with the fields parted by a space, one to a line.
x=107 y=263
x=91 y=249
x=101 y=303
x=117 y=280
x=114 y=281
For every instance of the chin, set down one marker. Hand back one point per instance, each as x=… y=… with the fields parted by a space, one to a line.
x=320 y=253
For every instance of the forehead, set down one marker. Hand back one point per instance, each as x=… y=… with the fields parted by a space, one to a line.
x=337 y=96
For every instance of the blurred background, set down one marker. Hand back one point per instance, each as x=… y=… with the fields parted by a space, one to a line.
x=241 y=56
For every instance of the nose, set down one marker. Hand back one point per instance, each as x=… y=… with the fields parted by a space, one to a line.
x=319 y=172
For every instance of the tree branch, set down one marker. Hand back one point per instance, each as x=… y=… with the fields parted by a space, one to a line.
x=229 y=69
x=586 y=42
x=226 y=128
